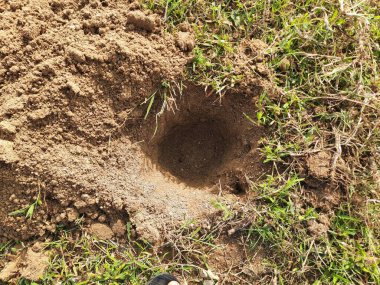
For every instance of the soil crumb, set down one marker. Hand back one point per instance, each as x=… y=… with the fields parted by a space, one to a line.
x=7 y=154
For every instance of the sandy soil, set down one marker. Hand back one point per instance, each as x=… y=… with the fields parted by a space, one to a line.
x=73 y=79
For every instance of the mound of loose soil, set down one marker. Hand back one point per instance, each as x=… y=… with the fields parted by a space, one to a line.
x=73 y=77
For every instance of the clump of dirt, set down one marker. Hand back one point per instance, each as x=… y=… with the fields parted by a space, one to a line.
x=30 y=264
x=101 y=231
x=319 y=165
x=231 y=253
x=74 y=145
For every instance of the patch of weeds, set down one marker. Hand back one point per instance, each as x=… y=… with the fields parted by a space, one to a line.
x=353 y=250
x=168 y=93
x=191 y=244
x=225 y=209
x=82 y=259
x=325 y=58
x=346 y=253
x=86 y=260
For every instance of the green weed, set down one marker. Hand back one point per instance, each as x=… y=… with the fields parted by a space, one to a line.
x=29 y=210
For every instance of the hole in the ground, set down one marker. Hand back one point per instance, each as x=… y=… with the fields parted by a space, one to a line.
x=203 y=142
x=238 y=188
x=194 y=150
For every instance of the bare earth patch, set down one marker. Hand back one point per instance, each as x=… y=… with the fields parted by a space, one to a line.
x=30 y=264
x=74 y=143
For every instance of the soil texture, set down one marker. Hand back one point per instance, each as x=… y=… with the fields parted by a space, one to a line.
x=74 y=144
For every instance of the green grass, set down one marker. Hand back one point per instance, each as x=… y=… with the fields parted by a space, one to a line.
x=325 y=58
x=86 y=260
x=346 y=254
x=82 y=259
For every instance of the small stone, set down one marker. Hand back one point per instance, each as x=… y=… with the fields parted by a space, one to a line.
x=85 y=197
x=7 y=129
x=231 y=232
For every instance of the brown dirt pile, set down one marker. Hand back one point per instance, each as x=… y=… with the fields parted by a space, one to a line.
x=73 y=76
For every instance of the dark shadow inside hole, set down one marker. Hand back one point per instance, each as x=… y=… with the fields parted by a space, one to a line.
x=238 y=188
x=193 y=151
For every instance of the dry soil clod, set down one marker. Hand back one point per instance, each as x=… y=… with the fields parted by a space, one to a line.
x=7 y=153
x=142 y=21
